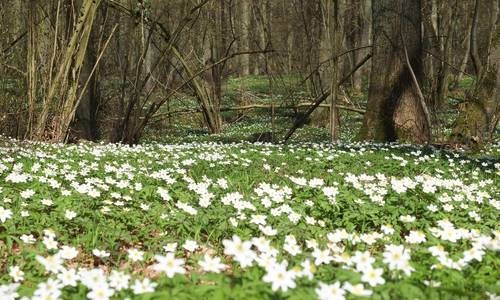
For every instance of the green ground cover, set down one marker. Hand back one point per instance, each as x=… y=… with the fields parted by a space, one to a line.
x=200 y=219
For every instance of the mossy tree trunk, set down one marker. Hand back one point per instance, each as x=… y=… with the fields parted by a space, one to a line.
x=395 y=110
x=479 y=115
x=62 y=99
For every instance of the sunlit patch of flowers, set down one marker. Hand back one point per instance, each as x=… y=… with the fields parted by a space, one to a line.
x=246 y=221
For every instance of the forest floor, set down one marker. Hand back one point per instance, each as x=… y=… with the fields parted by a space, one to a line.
x=265 y=126
x=187 y=215
x=247 y=221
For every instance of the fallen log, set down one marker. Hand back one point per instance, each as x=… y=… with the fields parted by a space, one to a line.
x=260 y=106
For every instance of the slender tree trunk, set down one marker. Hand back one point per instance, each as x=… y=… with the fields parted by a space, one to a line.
x=354 y=26
x=290 y=41
x=256 y=38
x=244 y=37
x=31 y=71
x=462 y=32
x=431 y=45
x=336 y=46
x=465 y=60
x=441 y=89
x=321 y=116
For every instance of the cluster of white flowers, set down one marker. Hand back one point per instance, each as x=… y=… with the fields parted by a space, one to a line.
x=5 y=214
x=285 y=227
x=398 y=258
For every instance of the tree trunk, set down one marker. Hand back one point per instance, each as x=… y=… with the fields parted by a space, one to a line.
x=354 y=26
x=61 y=101
x=256 y=38
x=321 y=116
x=85 y=124
x=476 y=122
x=31 y=71
x=244 y=37
x=441 y=90
x=438 y=23
x=462 y=31
x=336 y=46
x=394 y=109
x=430 y=41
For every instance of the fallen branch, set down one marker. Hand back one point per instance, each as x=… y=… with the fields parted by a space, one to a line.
x=259 y=106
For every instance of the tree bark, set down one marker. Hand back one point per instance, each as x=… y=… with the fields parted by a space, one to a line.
x=336 y=46
x=244 y=37
x=61 y=100
x=85 y=124
x=354 y=27
x=394 y=108
x=461 y=46
x=31 y=71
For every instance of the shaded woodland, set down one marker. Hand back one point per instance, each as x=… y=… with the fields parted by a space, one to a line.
x=110 y=69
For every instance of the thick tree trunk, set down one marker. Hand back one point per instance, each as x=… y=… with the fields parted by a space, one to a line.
x=394 y=109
